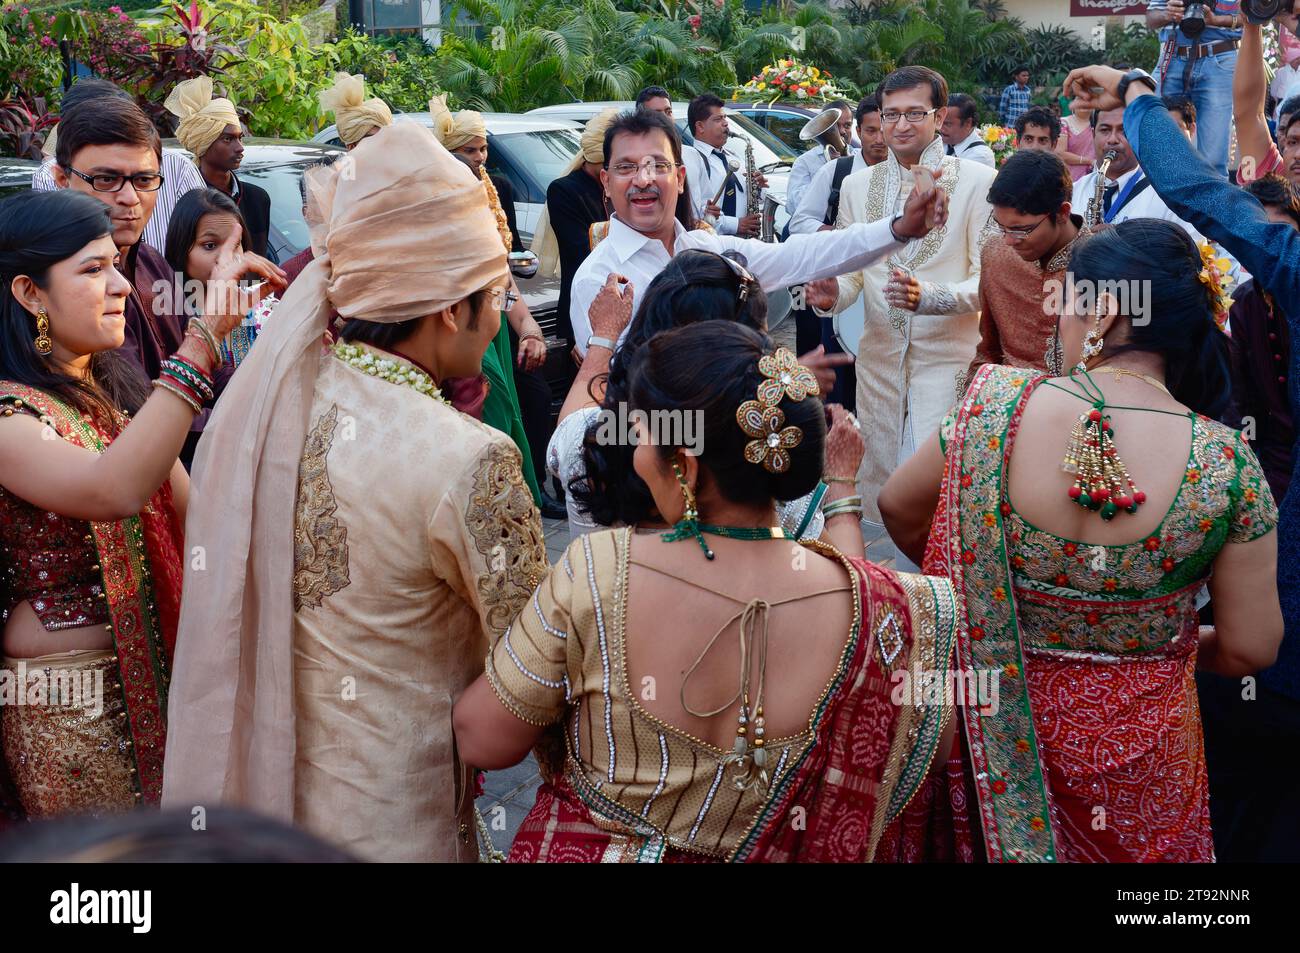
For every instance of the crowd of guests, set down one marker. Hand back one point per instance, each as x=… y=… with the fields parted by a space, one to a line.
x=296 y=537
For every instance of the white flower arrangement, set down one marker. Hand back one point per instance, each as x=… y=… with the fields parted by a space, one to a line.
x=387 y=369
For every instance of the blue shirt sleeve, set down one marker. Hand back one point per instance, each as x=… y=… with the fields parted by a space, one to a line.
x=1219 y=210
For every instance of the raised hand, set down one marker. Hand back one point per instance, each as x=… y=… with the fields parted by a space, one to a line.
x=1097 y=87
x=822 y=293
x=226 y=302
x=844 y=444
x=823 y=366
x=611 y=310
x=926 y=207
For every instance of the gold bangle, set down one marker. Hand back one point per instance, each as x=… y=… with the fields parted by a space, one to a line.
x=204 y=333
x=852 y=481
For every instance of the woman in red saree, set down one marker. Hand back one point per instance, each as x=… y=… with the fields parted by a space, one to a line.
x=624 y=664
x=91 y=511
x=1080 y=590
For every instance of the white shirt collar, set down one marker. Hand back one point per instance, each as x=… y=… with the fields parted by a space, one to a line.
x=627 y=241
x=1123 y=179
x=965 y=143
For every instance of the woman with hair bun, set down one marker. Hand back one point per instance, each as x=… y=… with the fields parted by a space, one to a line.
x=721 y=691
x=1079 y=519
x=92 y=501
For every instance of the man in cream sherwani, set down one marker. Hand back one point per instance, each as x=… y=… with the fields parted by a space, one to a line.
x=922 y=303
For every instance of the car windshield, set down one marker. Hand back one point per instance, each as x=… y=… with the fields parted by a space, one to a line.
x=542 y=155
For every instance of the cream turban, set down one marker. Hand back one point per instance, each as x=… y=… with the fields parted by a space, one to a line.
x=545 y=245
x=354 y=114
x=387 y=211
x=202 y=118
x=455 y=129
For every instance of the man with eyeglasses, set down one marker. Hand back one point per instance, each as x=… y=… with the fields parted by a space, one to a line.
x=921 y=305
x=646 y=183
x=1022 y=276
x=179 y=174
x=109 y=149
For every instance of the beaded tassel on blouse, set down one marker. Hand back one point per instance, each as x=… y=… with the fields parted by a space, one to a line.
x=1102 y=482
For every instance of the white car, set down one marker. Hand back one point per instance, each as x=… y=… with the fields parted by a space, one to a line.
x=528 y=151
x=772 y=157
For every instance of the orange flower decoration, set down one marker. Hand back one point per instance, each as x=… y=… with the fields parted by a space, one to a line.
x=785 y=376
x=772 y=439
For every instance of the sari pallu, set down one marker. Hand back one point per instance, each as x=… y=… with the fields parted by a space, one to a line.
x=1094 y=751
x=140 y=564
x=869 y=754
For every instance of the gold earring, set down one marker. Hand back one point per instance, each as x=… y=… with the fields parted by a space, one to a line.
x=1092 y=345
x=43 y=343
x=689 y=524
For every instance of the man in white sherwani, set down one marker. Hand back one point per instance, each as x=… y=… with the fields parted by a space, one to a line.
x=921 y=304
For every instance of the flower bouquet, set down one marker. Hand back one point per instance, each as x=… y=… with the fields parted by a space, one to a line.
x=790 y=79
x=1001 y=139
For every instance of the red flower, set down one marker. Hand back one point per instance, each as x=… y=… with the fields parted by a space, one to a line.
x=1167 y=564
x=1093 y=617
x=968 y=557
x=976 y=633
x=1071 y=549
x=1152 y=544
x=999 y=787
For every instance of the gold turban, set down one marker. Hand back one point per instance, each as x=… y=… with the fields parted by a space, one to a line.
x=386 y=213
x=455 y=129
x=202 y=118
x=592 y=149
x=354 y=115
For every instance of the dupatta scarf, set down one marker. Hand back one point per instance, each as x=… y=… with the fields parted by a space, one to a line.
x=140 y=561
x=1111 y=678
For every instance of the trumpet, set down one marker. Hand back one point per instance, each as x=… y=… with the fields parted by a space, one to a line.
x=824 y=128
x=1098 y=196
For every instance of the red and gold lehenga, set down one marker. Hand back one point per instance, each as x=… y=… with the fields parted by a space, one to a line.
x=70 y=754
x=1094 y=751
x=634 y=788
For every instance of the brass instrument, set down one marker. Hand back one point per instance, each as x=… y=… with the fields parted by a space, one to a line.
x=825 y=129
x=1098 y=197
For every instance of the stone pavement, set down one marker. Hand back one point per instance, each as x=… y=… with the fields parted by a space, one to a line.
x=508 y=795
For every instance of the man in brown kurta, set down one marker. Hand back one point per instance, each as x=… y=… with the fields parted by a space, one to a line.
x=1023 y=275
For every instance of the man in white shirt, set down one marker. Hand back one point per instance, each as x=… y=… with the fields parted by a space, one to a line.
x=960 y=135
x=813 y=213
x=1127 y=193
x=807 y=166
x=643 y=177
x=717 y=190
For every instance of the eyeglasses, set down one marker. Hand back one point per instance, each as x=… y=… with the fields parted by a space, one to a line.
x=1020 y=234
x=657 y=167
x=107 y=182
x=891 y=116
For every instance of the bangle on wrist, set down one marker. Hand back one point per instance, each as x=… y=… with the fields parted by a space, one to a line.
x=852 y=481
x=196 y=328
x=178 y=390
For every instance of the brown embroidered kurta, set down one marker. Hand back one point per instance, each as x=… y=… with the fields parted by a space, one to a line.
x=1018 y=305
x=416 y=543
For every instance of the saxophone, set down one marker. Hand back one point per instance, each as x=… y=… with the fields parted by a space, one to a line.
x=757 y=202
x=1098 y=197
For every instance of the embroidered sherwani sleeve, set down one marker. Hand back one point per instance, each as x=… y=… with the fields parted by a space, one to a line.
x=962 y=297
x=485 y=537
x=528 y=668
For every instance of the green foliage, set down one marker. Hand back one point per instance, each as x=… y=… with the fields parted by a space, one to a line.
x=1132 y=44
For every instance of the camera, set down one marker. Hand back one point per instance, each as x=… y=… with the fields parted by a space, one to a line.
x=1261 y=11
x=1193 y=22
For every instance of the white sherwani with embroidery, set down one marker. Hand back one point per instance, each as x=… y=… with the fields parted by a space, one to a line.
x=911 y=365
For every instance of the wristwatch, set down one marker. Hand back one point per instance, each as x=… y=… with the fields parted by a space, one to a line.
x=1142 y=76
x=893 y=231
x=594 y=341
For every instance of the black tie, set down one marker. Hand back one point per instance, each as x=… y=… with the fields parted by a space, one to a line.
x=952 y=151
x=1107 y=197
x=728 y=196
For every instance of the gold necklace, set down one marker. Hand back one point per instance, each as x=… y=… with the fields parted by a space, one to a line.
x=1124 y=372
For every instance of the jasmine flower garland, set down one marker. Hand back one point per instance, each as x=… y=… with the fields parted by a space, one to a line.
x=387 y=369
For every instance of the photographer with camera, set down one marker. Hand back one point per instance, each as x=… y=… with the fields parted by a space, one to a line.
x=1198 y=56
x=1270 y=250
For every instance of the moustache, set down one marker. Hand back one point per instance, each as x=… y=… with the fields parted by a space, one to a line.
x=651 y=192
